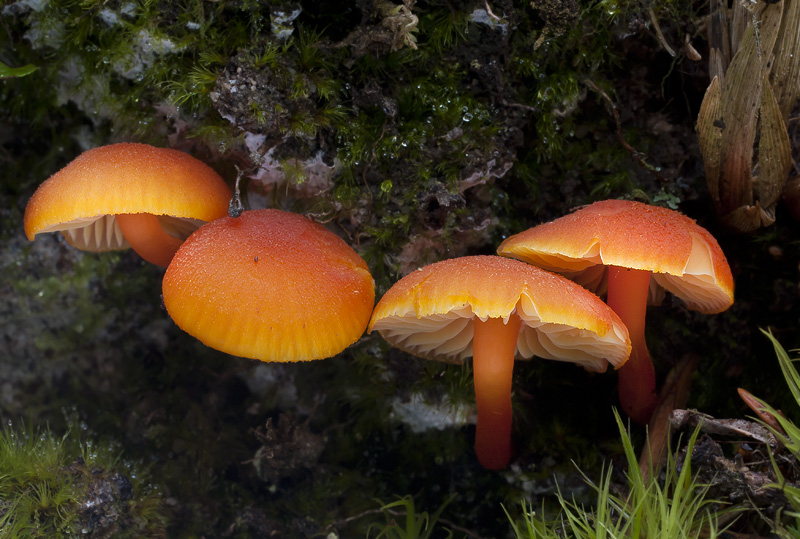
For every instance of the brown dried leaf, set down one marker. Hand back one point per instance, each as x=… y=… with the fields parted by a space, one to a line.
x=774 y=150
x=755 y=404
x=719 y=40
x=786 y=68
x=716 y=65
x=740 y=19
x=745 y=99
x=741 y=98
x=749 y=218
x=774 y=163
x=709 y=134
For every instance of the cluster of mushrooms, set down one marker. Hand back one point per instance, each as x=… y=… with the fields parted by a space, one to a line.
x=305 y=294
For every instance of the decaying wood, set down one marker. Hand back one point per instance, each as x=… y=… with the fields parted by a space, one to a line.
x=733 y=428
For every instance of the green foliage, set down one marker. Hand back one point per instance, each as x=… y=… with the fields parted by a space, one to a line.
x=443 y=29
x=416 y=118
x=126 y=55
x=194 y=87
x=789 y=439
x=414 y=526
x=23 y=71
x=45 y=481
x=554 y=77
x=676 y=510
x=36 y=493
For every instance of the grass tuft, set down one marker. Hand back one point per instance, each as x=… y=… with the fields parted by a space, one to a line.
x=678 y=510
x=415 y=525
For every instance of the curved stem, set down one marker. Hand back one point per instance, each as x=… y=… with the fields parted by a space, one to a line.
x=627 y=296
x=144 y=233
x=493 y=347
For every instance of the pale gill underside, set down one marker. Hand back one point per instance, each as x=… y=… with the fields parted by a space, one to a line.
x=102 y=233
x=448 y=337
x=696 y=284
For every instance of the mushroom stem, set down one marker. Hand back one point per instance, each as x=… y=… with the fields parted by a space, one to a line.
x=147 y=238
x=627 y=295
x=493 y=347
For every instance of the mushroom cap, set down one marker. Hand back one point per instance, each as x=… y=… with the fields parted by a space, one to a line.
x=82 y=198
x=269 y=285
x=430 y=313
x=684 y=258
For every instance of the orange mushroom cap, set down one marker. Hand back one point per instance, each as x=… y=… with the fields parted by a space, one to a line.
x=634 y=252
x=82 y=198
x=494 y=309
x=430 y=313
x=684 y=258
x=269 y=285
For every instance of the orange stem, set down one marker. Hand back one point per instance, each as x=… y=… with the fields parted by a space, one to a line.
x=627 y=296
x=148 y=239
x=493 y=347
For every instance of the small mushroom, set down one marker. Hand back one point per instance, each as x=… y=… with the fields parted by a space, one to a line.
x=269 y=285
x=615 y=247
x=494 y=309
x=128 y=195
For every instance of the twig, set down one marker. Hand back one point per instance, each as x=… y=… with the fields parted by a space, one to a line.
x=393 y=513
x=489 y=11
x=659 y=34
x=235 y=206
x=521 y=106
x=459 y=528
x=352 y=518
x=637 y=155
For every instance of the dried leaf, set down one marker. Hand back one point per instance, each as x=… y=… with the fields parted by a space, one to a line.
x=719 y=40
x=763 y=414
x=710 y=129
x=716 y=65
x=774 y=150
x=729 y=116
x=741 y=98
x=774 y=163
x=740 y=20
x=749 y=218
x=785 y=74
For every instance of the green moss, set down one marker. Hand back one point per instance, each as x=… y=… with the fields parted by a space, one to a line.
x=54 y=486
x=414 y=118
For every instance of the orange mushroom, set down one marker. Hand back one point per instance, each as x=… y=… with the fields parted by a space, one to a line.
x=494 y=309
x=128 y=195
x=615 y=247
x=269 y=285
